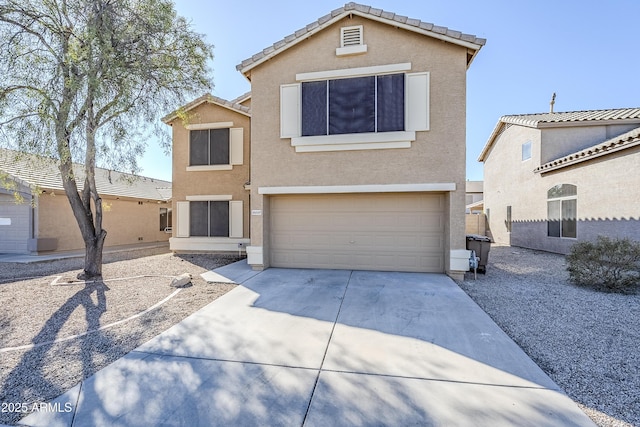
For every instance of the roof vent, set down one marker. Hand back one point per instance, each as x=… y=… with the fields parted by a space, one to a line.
x=351 y=41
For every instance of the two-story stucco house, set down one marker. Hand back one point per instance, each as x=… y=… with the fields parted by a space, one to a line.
x=357 y=148
x=211 y=153
x=553 y=179
x=358 y=144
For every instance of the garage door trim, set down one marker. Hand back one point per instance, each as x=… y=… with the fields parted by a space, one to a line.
x=382 y=188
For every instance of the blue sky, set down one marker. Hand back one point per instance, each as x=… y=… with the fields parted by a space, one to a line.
x=585 y=51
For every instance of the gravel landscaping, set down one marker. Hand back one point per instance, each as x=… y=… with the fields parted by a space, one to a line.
x=588 y=342
x=41 y=305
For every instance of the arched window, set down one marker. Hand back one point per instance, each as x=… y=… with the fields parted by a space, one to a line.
x=562 y=215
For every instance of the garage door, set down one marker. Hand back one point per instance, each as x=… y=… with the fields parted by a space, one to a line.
x=386 y=232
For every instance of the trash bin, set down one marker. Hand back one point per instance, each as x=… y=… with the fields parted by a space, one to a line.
x=481 y=245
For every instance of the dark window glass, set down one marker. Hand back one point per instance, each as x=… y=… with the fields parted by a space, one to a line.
x=569 y=218
x=209 y=219
x=164 y=218
x=219 y=147
x=199 y=218
x=219 y=219
x=209 y=147
x=314 y=108
x=199 y=148
x=352 y=105
x=508 y=221
x=390 y=103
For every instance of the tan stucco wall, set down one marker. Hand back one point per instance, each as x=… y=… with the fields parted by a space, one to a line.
x=224 y=182
x=124 y=220
x=562 y=141
x=508 y=180
x=606 y=190
x=438 y=155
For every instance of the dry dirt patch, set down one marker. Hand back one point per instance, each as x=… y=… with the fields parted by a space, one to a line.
x=62 y=333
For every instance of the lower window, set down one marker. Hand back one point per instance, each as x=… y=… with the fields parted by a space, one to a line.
x=562 y=211
x=209 y=219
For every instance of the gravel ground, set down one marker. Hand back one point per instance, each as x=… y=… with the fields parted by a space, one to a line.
x=588 y=342
x=35 y=308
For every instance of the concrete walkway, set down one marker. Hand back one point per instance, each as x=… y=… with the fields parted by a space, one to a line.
x=323 y=348
x=52 y=256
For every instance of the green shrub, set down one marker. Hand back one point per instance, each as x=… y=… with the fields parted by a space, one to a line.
x=611 y=265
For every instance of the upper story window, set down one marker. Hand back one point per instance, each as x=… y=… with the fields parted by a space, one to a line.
x=353 y=105
x=215 y=146
x=562 y=207
x=377 y=107
x=209 y=147
x=526 y=151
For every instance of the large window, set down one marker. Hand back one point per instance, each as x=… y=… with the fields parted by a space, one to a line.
x=209 y=219
x=353 y=105
x=209 y=147
x=562 y=212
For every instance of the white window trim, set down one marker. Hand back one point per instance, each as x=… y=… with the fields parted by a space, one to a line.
x=354 y=72
x=207 y=126
x=342 y=189
x=209 y=198
x=204 y=168
x=354 y=141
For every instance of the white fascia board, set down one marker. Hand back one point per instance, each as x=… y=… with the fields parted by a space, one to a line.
x=341 y=189
x=210 y=198
x=354 y=72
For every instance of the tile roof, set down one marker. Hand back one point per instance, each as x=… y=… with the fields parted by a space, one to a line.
x=621 y=142
x=241 y=98
x=536 y=120
x=410 y=24
x=40 y=172
x=569 y=118
x=232 y=105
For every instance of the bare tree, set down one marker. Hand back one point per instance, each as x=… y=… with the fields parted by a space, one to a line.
x=81 y=80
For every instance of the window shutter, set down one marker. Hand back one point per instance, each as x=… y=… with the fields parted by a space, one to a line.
x=182 y=213
x=236 y=136
x=417 y=102
x=236 y=217
x=290 y=111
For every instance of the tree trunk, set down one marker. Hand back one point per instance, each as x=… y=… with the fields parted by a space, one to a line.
x=93 y=257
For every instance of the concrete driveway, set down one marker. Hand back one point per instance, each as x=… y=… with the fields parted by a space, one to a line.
x=323 y=348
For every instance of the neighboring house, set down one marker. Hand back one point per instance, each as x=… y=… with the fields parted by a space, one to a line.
x=475 y=220
x=474 y=197
x=553 y=179
x=211 y=154
x=35 y=215
x=358 y=145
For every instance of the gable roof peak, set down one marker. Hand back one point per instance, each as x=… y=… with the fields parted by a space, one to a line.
x=207 y=97
x=443 y=33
